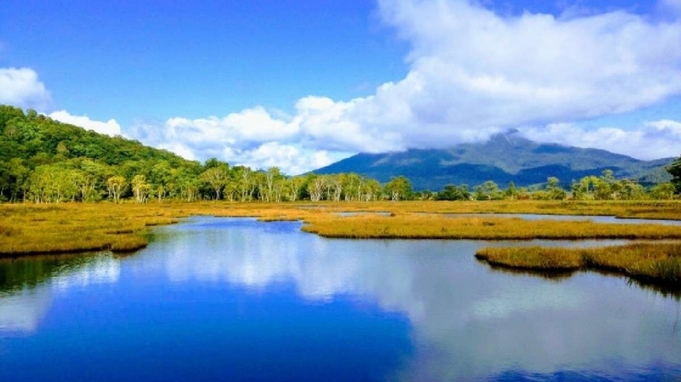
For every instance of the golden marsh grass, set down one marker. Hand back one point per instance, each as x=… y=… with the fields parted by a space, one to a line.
x=77 y=227
x=658 y=262
x=415 y=226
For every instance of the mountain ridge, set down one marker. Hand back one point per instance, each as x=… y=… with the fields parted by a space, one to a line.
x=502 y=159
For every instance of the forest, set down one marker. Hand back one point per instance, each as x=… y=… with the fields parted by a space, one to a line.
x=46 y=161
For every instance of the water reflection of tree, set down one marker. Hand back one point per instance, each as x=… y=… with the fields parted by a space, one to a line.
x=29 y=272
x=556 y=276
x=666 y=291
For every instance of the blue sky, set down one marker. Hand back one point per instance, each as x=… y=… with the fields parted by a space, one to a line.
x=299 y=84
x=157 y=59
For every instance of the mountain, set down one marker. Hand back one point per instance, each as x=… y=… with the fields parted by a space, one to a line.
x=37 y=139
x=38 y=153
x=502 y=159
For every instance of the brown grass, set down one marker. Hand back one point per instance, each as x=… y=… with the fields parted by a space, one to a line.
x=76 y=227
x=657 y=262
x=415 y=226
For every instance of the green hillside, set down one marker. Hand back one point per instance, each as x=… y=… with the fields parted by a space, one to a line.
x=502 y=159
x=31 y=141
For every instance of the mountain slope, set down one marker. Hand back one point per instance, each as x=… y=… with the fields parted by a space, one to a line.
x=39 y=140
x=504 y=158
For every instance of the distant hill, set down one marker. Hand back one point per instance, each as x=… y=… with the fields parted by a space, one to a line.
x=502 y=159
x=77 y=158
x=37 y=140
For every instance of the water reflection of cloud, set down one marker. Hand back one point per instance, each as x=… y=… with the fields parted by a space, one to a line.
x=467 y=319
x=22 y=310
x=100 y=269
x=508 y=303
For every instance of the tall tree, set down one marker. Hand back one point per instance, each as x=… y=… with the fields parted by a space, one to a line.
x=216 y=178
x=140 y=188
x=116 y=186
x=674 y=170
x=398 y=188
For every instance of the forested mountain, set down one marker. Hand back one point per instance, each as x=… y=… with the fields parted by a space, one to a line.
x=32 y=143
x=504 y=158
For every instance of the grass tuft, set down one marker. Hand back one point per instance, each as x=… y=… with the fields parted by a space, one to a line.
x=656 y=262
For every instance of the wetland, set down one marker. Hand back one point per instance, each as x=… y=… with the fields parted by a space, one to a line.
x=226 y=291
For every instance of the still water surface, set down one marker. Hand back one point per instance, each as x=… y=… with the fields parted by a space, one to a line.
x=216 y=299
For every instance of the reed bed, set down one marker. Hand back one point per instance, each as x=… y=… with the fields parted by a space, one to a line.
x=415 y=226
x=654 y=262
x=77 y=227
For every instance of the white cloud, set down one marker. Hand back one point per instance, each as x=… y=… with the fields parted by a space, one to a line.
x=110 y=127
x=22 y=88
x=472 y=73
x=252 y=138
x=254 y=125
x=291 y=159
x=658 y=139
x=671 y=6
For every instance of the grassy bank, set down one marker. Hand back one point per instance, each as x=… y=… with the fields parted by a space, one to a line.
x=33 y=229
x=76 y=227
x=657 y=262
x=414 y=226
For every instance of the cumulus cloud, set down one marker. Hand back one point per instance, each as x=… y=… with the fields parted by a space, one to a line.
x=253 y=137
x=110 y=127
x=657 y=139
x=472 y=73
x=22 y=88
x=291 y=159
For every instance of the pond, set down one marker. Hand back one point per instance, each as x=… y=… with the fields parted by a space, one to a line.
x=215 y=299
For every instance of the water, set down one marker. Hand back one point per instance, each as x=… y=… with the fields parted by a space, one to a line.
x=216 y=299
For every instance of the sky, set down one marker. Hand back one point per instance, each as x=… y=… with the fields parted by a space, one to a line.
x=300 y=84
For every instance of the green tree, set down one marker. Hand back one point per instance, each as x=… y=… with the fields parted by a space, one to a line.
x=452 y=192
x=674 y=170
x=511 y=191
x=554 y=190
x=216 y=177
x=293 y=186
x=371 y=190
x=398 y=188
x=315 y=186
x=116 y=186
x=140 y=188
x=663 y=191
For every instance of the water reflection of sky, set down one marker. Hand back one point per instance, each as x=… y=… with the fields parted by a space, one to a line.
x=465 y=320
x=24 y=301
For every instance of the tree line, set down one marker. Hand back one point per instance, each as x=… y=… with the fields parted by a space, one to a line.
x=86 y=180
x=591 y=187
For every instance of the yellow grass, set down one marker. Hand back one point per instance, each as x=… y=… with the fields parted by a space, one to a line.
x=76 y=227
x=658 y=262
x=538 y=258
x=414 y=226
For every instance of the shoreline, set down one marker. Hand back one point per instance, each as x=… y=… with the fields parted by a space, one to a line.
x=31 y=230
